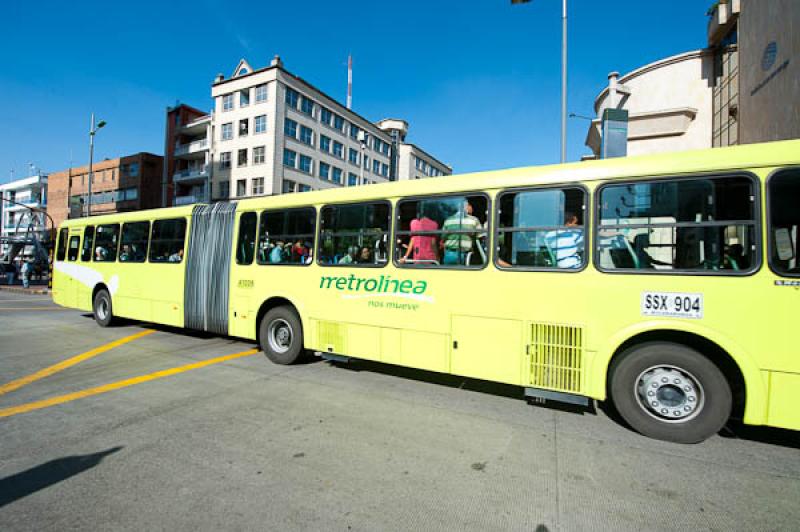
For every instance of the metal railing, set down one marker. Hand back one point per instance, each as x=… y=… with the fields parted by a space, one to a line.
x=196 y=145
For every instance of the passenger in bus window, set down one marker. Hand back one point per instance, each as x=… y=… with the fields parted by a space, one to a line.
x=422 y=247
x=365 y=257
x=125 y=254
x=100 y=254
x=177 y=256
x=276 y=253
x=299 y=252
x=566 y=245
x=457 y=246
x=351 y=257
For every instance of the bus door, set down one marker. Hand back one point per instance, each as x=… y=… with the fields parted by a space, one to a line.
x=208 y=265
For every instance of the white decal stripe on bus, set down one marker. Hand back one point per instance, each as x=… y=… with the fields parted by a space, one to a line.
x=87 y=276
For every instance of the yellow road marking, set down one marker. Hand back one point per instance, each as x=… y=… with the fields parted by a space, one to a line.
x=55 y=368
x=37 y=405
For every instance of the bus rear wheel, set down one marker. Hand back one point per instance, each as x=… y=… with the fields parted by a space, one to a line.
x=670 y=392
x=101 y=307
x=280 y=334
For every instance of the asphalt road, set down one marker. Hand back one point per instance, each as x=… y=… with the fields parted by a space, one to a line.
x=120 y=439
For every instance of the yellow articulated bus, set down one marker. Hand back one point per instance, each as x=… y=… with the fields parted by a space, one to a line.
x=668 y=284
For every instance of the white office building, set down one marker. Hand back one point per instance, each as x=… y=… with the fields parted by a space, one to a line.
x=19 y=197
x=272 y=132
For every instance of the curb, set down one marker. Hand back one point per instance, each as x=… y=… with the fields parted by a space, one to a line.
x=20 y=290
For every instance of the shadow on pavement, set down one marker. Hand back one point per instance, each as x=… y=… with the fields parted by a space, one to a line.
x=456 y=381
x=783 y=437
x=45 y=475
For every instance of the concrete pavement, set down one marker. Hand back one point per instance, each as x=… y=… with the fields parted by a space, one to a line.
x=244 y=444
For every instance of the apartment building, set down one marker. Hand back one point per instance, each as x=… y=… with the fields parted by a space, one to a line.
x=18 y=198
x=122 y=184
x=271 y=132
x=187 y=156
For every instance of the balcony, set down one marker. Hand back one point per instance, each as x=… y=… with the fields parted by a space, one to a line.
x=197 y=174
x=193 y=149
x=189 y=199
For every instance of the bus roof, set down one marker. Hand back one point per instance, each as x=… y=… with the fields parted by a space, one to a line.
x=748 y=156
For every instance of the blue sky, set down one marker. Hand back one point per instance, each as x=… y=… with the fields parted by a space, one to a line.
x=478 y=81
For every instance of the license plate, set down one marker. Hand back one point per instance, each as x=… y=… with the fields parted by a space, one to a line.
x=672 y=304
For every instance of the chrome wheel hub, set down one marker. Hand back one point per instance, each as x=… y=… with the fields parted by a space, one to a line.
x=669 y=394
x=279 y=335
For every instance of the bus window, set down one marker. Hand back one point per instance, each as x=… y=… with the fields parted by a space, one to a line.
x=783 y=191
x=442 y=231
x=167 y=240
x=286 y=237
x=689 y=225
x=355 y=234
x=61 y=250
x=88 y=241
x=247 y=238
x=541 y=228
x=133 y=247
x=74 y=246
x=105 y=242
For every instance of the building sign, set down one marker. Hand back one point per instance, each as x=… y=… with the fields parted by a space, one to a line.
x=768 y=60
x=614 y=136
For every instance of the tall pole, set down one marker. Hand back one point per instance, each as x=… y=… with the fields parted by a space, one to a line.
x=91 y=155
x=564 y=81
x=349 y=81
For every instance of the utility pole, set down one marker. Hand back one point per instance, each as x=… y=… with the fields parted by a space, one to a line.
x=92 y=130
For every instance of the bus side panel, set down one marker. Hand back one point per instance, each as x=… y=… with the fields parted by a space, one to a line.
x=784 y=396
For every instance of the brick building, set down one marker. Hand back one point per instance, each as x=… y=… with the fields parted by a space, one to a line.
x=127 y=183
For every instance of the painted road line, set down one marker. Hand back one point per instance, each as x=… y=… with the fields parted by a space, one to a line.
x=55 y=368
x=32 y=308
x=37 y=405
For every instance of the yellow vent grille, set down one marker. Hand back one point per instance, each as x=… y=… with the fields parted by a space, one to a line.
x=557 y=357
x=332 y=337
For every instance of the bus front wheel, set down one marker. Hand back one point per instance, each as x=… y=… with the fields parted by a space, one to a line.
x=280 y=334
x=670 y=392
x=101 y=307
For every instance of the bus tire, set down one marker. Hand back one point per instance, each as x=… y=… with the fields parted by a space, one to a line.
x=101 y=308
x=280 y=334
x=670 y=392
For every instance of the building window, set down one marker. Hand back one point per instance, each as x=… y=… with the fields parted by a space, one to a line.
x=352 y=156
x=290 y=128
x=306 y=164
x=338 y=149
x=258 y=155
x=244 y=98
x=224 y=190
x=352 y=179
x=376 y=144
x=366 y=163
x=337 y=175
x=227 y=131
x=289 y=158
x=306 y=135
x=326 y=117
x=324 y=170
x=304 y=188
x=241 y=188
x=338 y=123
x=258 y=186
x=292 y=97
x=133 y=170
x=376 y=167
x=325 y=143
x=225 y=160
x=307 y=106
x=288 y=186
x=227 y=102
x=354 y=131
x=261 y=93
x=241 y=160
x=384 y=170
x=725 y=93
x=244 y=127
x=261 y=123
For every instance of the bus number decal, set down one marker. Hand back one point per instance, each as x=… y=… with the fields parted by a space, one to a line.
x=672 y=304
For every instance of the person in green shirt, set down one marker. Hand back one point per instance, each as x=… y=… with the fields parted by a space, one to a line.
x=457 y=245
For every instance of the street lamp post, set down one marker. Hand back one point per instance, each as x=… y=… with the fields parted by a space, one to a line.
x=563 y=75
x=92 y=130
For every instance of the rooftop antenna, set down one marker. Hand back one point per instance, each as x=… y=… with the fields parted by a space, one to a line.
x=349 y=81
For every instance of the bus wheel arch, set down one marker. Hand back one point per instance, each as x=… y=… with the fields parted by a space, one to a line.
x=707 y=349
x=278 y=317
